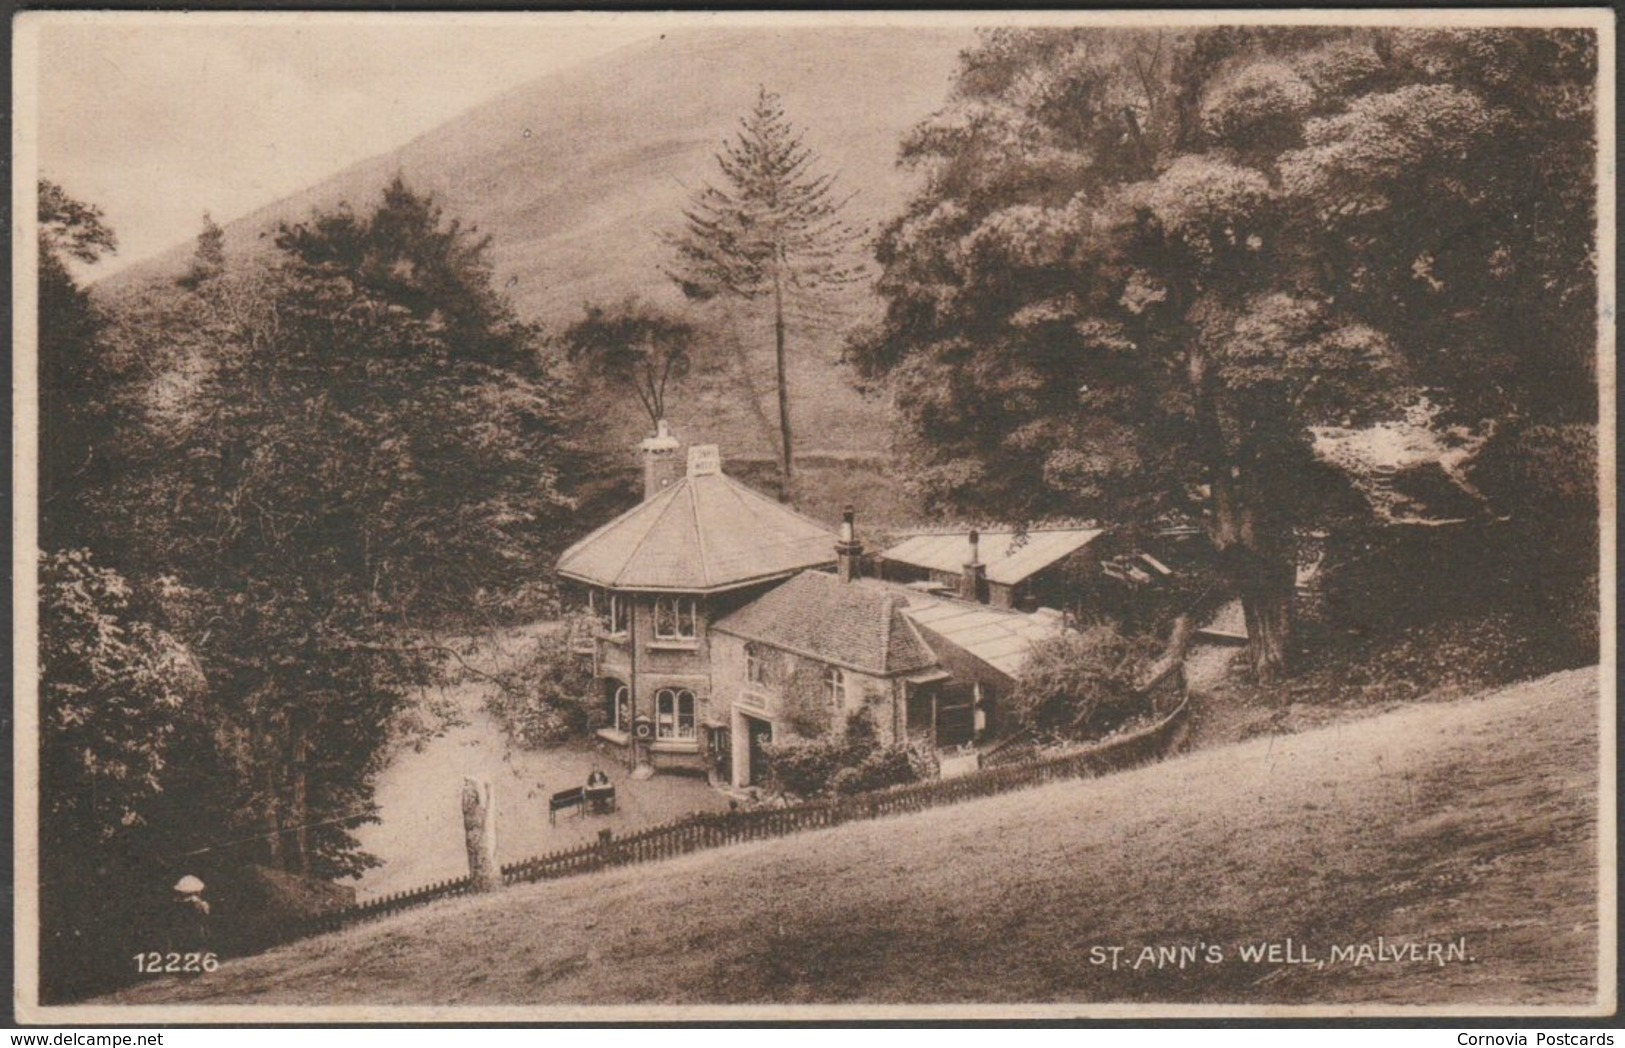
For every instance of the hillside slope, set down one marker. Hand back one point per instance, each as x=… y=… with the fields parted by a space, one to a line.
x=1470 y=822
x=577 y=174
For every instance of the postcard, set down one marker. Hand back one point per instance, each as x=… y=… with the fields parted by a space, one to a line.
x=679 y=517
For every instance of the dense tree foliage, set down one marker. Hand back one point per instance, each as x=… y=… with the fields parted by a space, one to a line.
x=367 y=442
x=550 y=695
x=321 y=457
x=773 y=230
x=633 y=344
x=75 y=376
x=1147 y=264
x=113 y=695
x=1080 y=683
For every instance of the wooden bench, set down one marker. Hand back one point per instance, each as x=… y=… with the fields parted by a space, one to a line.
x=573 y=798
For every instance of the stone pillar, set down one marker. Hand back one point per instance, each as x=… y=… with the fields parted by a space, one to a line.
x=480 y=835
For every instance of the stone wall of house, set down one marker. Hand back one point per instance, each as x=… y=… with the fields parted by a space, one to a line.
x=681 y=665
x=795 y=698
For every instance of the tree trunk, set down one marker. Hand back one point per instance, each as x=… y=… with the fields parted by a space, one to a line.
x=1255 y=545
x=1269 y=633
x=301 y=812
x=785 y=455
x=1261 y=566
x=273 y=823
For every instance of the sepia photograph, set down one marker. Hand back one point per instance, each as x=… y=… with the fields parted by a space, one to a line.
x=813 y=517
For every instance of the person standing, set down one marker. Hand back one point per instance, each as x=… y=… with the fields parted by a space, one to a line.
x=191 y=916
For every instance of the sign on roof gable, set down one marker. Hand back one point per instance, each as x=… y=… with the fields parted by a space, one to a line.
x=704 y=460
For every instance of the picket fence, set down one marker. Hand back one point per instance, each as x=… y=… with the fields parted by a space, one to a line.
x=706 y=830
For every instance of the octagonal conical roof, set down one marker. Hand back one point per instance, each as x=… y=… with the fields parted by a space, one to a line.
x=705 y=532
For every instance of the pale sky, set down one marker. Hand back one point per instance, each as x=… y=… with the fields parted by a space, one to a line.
x=158 y=118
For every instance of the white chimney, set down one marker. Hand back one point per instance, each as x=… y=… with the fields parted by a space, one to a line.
x=661 y=463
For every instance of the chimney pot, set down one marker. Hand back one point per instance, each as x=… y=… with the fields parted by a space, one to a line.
x=973 y=574
x=848 y=550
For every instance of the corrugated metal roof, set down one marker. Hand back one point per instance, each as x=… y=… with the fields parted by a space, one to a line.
x=998 y=637
x=859 y=625
x=1010 y=556
x=706 y=532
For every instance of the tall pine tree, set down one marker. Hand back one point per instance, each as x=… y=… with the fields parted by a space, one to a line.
x=774 y=231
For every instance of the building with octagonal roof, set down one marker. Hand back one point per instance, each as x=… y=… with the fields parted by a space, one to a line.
x=719 y=627
x=698 y=547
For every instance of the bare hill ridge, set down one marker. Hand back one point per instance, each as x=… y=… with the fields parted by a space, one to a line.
x=576 y=174
x=1469 y=824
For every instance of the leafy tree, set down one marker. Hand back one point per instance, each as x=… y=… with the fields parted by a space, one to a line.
x=1079 y=683
x=113 y=688
x=1147 y=265
x=363 y=442
x=636 y=344
x=74 y=375
x=408 y=255
x=550 y=695
x=774 y=230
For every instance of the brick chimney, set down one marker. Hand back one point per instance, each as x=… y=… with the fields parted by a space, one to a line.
x=848 y=550
x=661 y=463
x=973 y=574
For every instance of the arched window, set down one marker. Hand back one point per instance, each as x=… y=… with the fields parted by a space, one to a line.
x=674 y=714
x=622 y=708
x=755 y=665
x=835 y=686
x=676 y=618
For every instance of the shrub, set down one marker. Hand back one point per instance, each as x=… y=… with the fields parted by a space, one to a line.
x=805 y=767
x=1080 y=683
x=549 y=697
x=839 y=765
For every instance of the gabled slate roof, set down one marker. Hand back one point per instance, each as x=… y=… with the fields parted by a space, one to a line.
x=703 y=533
x=1010 y=556
x=856 y=625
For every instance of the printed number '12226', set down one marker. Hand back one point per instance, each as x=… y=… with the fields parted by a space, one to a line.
x=154 y=963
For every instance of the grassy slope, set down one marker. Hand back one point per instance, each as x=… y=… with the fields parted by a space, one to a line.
x=1475 y=818
x=577 y=174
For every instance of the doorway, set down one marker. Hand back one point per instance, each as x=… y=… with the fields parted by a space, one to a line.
x=942 y=713
x=756 y=733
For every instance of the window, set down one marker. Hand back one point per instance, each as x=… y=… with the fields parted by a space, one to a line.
x=674 y=714
x=755 y=666
x=675 y=618
x=835 y=686
x=611 y=611
x=622 y=711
